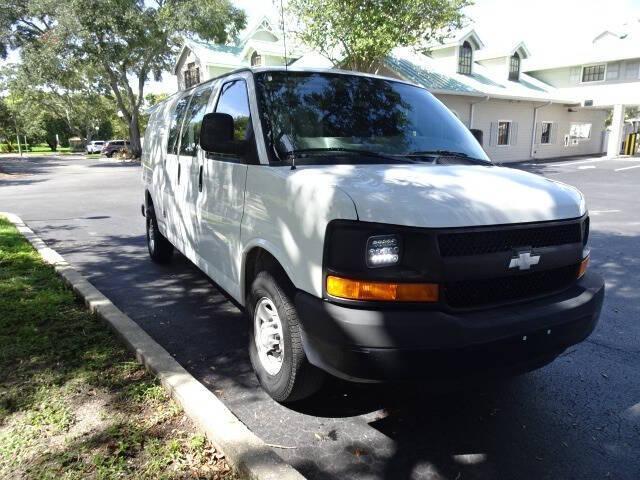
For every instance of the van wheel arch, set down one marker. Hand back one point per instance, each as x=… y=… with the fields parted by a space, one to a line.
x=257 y=260
x=148 y=201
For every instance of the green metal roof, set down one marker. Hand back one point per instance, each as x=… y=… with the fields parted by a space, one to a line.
x=426 y=78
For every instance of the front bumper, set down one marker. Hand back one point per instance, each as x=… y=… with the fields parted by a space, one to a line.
x=402 y=343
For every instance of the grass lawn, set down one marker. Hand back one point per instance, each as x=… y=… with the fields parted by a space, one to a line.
x=74 y=403
x=40 y=150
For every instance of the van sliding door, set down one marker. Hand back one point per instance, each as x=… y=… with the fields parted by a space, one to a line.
x=190 y=164
x=173 y=177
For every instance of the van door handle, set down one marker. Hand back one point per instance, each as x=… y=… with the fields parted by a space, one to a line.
x=200 y=179
x=179 y=171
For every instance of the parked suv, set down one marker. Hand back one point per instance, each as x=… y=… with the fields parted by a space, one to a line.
x=365 y=230
x=114 y=146
x=95 y=146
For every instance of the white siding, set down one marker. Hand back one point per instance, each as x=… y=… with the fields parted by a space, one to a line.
x=562 y=119
x=617 y=72
x=458 y=104
x=498 y=67
x=446 y=58
x=520 y=113
x=521 y=116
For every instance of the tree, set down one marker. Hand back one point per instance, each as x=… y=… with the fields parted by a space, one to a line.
x=7 y=123
x=120 y=44
x=359 y=34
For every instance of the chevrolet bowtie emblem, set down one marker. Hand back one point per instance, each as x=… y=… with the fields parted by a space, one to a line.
x=524 y=260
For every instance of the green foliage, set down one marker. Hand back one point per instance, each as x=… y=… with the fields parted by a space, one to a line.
x=73 y=401
x=110 y=45
x=359 y=34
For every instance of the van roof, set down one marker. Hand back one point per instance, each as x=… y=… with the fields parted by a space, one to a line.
x=331 y=71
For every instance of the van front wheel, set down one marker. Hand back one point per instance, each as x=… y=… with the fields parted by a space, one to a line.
x=275 y=345
x=160 y=249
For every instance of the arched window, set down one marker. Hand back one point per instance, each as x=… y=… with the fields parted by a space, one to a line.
x=465 y=59
x=256 y=60
x=514 y=67
x=191 y=75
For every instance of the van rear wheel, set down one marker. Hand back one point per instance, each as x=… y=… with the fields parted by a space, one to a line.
x=275 y=346
x=160 y=249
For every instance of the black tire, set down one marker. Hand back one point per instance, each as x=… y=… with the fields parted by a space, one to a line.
x=160 y=249
x=297 y=378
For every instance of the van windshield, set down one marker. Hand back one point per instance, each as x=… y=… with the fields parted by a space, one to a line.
x=331 y=118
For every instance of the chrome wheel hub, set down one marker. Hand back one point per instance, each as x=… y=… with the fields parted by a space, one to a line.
x=268 y=336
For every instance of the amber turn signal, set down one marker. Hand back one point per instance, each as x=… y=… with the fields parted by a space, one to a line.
x=584 y=264
x=381 y=291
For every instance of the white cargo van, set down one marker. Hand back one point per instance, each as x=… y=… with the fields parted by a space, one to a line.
x=364 y=230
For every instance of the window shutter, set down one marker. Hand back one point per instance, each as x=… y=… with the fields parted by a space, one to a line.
x=613 y=71
x=493 y=134
x=631 y=70
x=554 y=133
x=574 y=76
x=513 y=134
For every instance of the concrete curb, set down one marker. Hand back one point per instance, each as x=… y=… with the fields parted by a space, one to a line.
x=246 y=452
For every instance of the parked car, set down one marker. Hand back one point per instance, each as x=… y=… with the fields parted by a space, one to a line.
x=114 y=146
x=94 y=146
x=365 y=231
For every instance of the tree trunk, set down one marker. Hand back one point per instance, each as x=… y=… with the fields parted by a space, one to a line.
x=135 y=146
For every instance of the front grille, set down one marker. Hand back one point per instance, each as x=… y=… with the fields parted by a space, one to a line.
x=482 y=242
x=476 y=293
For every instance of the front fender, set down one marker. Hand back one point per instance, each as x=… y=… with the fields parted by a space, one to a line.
x=286 y=213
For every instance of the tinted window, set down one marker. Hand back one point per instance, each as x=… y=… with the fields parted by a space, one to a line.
x=235 y=101
x=176 y=122
x=193 y=120
x=324 y=111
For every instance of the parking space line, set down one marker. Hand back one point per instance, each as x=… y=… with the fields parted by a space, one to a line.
x=584 y=161
x=585 y=167
x=600 y=212
x=626 y=168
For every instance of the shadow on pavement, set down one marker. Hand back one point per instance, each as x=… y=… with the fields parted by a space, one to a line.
x=546 y=424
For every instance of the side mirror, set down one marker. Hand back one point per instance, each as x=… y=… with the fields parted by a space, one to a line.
x=216 y=134
x=478 y=134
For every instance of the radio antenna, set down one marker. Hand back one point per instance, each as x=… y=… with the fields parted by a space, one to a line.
x=286 y=74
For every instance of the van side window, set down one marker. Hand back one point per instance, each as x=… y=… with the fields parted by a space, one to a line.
x=176 y=122
x=193 y=119
x=235 y=101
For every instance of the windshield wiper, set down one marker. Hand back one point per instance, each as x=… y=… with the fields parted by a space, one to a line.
x=354 y=151
x=445 y=153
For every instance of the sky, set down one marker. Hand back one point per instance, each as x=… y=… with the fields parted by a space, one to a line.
x=545 y=25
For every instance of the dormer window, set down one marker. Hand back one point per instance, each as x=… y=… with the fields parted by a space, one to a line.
x=465 y=59
x=191 y=75
x=514 y=67
x=256 y=60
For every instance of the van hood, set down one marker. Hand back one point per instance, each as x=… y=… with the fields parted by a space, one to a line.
x=447 y=196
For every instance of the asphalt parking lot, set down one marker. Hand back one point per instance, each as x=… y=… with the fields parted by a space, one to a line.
x=577 y=418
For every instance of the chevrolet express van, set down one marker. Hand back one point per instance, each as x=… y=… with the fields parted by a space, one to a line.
x=365 y=231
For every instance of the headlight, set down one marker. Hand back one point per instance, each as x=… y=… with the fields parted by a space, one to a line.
x=383 y=251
